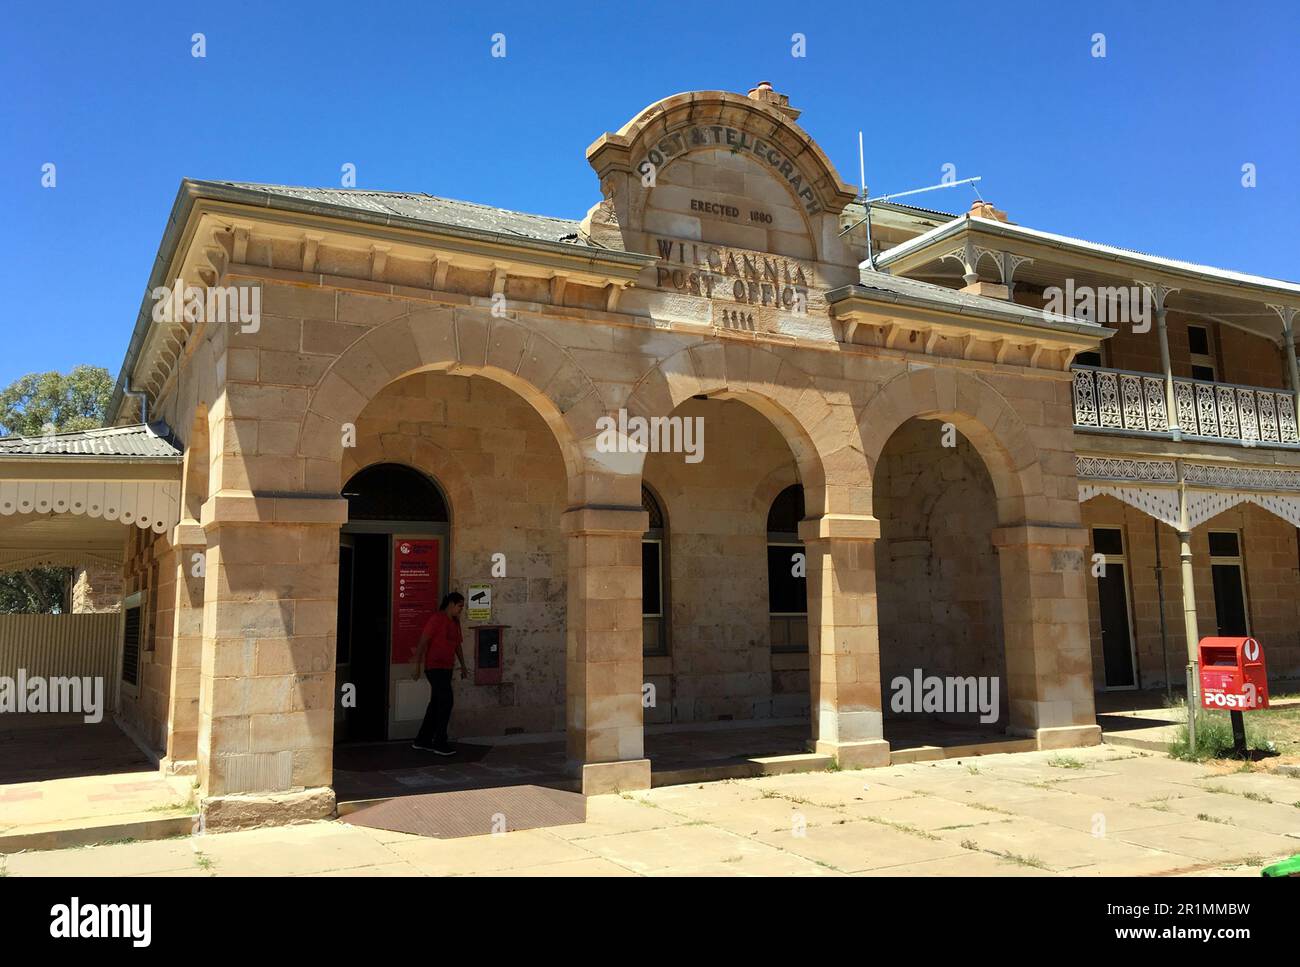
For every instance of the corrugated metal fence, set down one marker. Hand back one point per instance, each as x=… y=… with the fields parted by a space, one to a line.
x=61 y=645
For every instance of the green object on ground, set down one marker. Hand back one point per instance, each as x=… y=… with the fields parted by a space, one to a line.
x=1289 y=867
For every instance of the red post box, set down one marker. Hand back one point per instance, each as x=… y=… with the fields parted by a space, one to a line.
x=1233 y=676
x=489 y=653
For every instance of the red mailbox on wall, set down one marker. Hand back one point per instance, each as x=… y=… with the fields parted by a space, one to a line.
x=489 y=653
x=1233 y=675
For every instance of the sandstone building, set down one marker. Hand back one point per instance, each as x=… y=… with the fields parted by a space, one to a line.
x=910 y=454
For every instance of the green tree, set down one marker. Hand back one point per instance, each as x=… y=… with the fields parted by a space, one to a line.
x=40 y=403
x=34 y=405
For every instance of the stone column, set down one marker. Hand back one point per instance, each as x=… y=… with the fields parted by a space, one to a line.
x=844 y=639
x=603 y=672
x=266 y=720
x=1045 y=626
x=189 y=542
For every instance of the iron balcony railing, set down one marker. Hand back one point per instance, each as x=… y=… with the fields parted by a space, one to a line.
x=1122 y=400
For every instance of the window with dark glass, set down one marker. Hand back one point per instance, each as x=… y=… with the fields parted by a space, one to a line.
x=787 y=567
x=1202 y=356
x=654 y=620
x=1107 y=540
x=390 y=491
x=1090 y=358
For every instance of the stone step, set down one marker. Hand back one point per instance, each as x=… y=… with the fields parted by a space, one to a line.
x=80 y=832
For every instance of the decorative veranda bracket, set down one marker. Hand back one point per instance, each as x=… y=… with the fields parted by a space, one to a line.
x=1202 y=505
x=149 y=504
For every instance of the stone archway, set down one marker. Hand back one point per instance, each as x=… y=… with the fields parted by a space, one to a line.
x=465 y=342
x=824 y=440
x=1039 y=540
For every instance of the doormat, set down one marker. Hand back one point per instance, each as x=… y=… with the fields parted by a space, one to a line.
x=474 y=812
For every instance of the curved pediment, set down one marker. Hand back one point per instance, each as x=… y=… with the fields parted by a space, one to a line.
x=717 y=168
x=677 y=126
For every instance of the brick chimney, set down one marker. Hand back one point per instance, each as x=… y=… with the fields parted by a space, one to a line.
x=984 y=209
x=763 y=92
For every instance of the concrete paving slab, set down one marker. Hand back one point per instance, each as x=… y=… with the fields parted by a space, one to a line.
x=929 y=813
x=1084 y=813
x=485 y=854
x=291 y=850
x=966 y=863
x=766 y=864
x=1132 y=789
x=1284 y=789
x=773 y=812
x=834 y=789
x=653 y=850
x=1265 y=817
x=592 y=866
x=609 y=815
x=381 y=869
x=1156 y=766
x=128 y=859
x=1051 y=846
x=862 y=845
x=1213 y=842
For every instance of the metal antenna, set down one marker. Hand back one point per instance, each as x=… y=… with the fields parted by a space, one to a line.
x=902 y=194
x=862 y=175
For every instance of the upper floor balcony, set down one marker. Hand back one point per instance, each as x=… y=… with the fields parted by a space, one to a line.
x=1125 y=401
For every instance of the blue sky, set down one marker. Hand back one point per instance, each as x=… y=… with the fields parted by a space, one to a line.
x=1143 y=148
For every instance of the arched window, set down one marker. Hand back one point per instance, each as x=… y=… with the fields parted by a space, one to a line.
x=391 y=491
x=787 y=584
x=654 y=587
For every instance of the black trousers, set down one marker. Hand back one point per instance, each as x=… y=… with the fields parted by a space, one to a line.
x=433 y=731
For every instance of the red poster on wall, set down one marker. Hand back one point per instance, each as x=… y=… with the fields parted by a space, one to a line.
x=415 y=592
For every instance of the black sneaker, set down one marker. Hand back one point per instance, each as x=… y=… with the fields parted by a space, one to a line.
x=422 y=748
x=443 y=750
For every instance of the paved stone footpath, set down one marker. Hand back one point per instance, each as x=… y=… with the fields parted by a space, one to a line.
x=1099 y=811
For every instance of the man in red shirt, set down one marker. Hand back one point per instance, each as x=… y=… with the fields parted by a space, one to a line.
x=439 y=644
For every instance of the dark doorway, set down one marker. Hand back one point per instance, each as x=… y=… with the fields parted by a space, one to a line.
x=1229 y=587
x=1229 y=602
x=365 y=642
x=1116 y=645
x=392 y=510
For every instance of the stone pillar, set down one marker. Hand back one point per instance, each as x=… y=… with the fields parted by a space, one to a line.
x=844 y=639
x=1045 y=626
x=603 y=672
x=181 y=757
x=266 y=721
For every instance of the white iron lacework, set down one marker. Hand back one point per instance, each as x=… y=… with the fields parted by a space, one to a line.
x=1157 y=419
x=1085 y=398
x=1288 y=508
x=1255 y=478
x=1124 y=468
x=1204 y=506
x=1158 y=502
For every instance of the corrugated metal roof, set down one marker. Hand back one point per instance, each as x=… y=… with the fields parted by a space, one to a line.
x=1129 y=257
x=150 y=441
x=428 y=208
x=917 y=291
